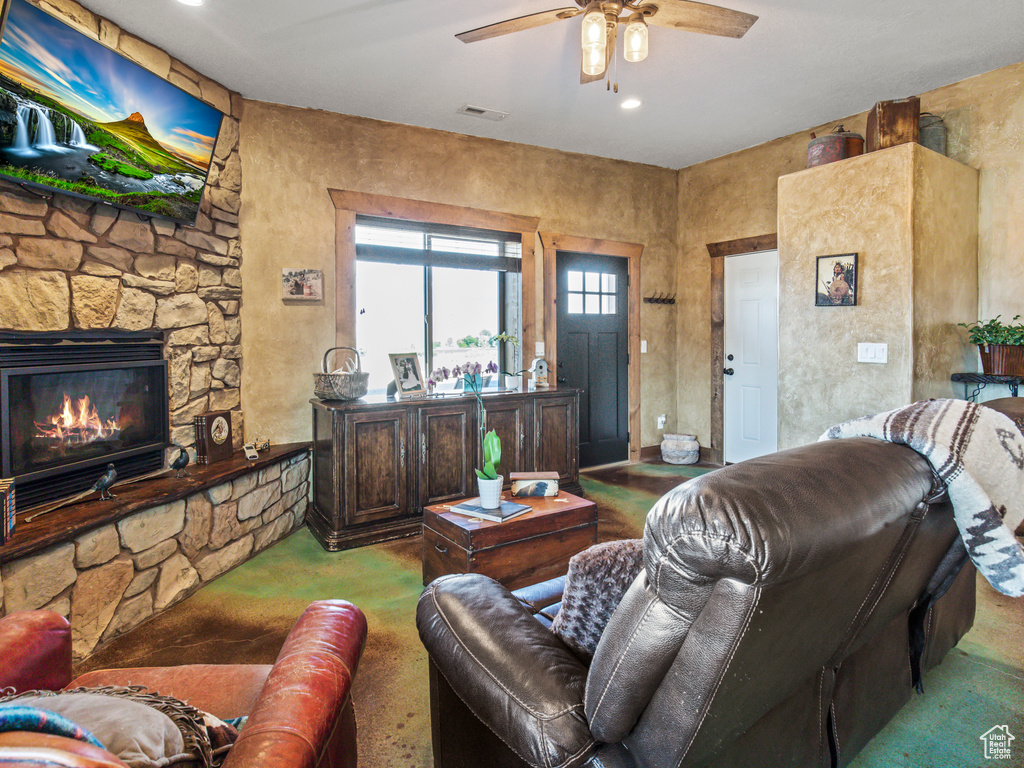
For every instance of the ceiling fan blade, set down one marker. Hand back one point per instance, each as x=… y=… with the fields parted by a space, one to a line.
x=609 y=53
x=699 y=17
x=518 y=24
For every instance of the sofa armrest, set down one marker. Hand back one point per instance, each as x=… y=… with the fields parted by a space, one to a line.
x=36 y=650
x=224 y=690
x=306 y=693
x=25 y=749
x=515 y=675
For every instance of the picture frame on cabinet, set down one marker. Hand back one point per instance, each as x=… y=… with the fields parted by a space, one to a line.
x=408 y=373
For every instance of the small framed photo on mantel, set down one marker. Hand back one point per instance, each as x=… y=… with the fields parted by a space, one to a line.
x=302 y=284
x=836 y=281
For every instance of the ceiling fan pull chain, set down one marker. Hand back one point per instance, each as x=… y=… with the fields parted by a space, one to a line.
x=616 y=73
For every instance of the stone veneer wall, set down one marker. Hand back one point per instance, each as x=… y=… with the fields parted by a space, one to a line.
x=69 y=264
x=113 y=578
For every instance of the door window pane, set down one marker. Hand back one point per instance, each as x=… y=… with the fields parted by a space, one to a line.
x=593 y=282
x=593 y=304
x=607 y=283
x=575 y=303
x=575 y=281
x=607 y=304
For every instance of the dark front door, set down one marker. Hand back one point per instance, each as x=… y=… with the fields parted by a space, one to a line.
x=592 y=350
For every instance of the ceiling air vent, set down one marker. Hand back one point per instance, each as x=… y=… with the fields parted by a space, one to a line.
x=486 y=114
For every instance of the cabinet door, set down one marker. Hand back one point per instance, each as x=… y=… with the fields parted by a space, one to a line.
x=376 y=483
x=509 y=419
x=448 y=448
x=556 y=445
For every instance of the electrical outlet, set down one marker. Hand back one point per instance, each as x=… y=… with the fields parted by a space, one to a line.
x=662 y=420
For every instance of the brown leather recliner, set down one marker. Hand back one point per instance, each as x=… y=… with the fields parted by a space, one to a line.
x=299 y=709
x=785 y=608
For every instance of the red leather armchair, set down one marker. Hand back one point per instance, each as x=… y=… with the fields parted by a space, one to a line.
x=300 y=708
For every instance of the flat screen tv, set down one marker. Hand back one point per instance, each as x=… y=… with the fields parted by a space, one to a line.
x=79 y=119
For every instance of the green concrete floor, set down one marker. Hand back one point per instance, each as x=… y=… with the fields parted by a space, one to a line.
x=244 y=616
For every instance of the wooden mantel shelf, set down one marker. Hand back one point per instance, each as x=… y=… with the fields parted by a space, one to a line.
x=68 y=523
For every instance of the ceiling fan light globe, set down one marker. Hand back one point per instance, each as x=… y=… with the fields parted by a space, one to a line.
x=594 y=60
x=593 y=30
x=634 y=40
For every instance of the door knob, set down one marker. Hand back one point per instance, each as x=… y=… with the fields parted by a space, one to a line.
x=729 y=358
x=728 y=371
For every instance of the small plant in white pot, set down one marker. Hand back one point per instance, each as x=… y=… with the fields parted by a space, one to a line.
x=488 y=480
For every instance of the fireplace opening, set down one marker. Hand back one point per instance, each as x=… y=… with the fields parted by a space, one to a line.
x=72 y=403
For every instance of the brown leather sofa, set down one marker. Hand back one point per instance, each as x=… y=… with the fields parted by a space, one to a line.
x=786 y=606
x=300 y=708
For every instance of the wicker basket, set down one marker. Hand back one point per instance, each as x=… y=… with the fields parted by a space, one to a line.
x=1002 y=359
x=680 y=449
x=340 y=386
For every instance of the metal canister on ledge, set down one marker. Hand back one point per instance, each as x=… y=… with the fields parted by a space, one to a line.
x=838 y=145
x=933 y=133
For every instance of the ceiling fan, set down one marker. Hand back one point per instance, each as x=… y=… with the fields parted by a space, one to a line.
x=601 y=21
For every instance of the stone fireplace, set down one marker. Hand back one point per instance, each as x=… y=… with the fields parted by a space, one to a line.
x=72 y=269
x=70 y=403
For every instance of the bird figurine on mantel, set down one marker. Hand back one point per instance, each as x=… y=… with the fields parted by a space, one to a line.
x=180 y=461
x=102 y=485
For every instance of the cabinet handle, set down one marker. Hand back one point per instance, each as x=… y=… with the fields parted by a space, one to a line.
x=423 y=449
x=401 y=451
x=439 y=548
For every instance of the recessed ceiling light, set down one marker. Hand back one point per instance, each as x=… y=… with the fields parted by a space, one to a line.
x=631 y=103
x=191 y=2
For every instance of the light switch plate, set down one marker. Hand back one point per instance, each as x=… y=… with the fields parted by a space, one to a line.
x=872 y=353
x=540 y=349
x=643 y=346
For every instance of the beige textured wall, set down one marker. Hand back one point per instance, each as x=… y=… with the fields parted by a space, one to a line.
x=945 y=270
x=735 y=196
x=862 y=206
x=911 y=216
x=291 y=157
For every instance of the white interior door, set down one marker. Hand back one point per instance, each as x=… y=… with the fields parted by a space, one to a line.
x=751 y=355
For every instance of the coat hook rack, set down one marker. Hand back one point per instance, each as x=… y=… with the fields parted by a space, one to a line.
x=660 y=298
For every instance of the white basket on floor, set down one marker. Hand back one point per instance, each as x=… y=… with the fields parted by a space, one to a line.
x=680 y=449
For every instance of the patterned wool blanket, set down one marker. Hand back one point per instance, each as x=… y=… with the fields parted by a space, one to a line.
x=979 y=454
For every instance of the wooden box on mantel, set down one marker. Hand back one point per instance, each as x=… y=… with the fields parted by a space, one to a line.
x=533 y=547
x=893 y=122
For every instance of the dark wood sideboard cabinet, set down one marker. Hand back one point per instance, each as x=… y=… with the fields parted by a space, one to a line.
x=377 y=463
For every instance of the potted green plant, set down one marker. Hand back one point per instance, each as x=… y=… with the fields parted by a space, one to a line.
x=488 y=480
x=1001 y=345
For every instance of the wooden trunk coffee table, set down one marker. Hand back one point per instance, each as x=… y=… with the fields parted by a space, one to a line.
x=527 y=549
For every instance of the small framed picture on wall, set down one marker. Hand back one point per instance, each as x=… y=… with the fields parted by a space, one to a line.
x=408 y=374
x=837 y=281
x=302 y=284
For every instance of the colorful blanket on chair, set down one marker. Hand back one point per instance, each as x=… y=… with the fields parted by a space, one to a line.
x=979 y=454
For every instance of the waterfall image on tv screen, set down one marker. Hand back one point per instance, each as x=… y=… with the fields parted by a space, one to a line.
x=78 y=118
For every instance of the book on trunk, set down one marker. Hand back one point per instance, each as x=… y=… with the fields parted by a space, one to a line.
x=213 y=437
x=534 y=483
x=507 y=510
x=6 y=509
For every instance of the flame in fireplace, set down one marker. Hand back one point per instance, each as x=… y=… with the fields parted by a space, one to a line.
x=77 y=422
